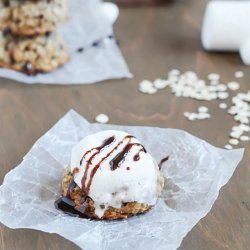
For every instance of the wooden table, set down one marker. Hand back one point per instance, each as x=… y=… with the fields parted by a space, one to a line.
x=153 y=40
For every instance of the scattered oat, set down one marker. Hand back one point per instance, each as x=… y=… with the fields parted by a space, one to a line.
x=245 y=138
x=244 y=127
x=241 y=108
x=192 y=116
x=239 y=74
x=228 y=146
x=174 y=72
x=233 y=85
x=202 y=109
x=203 y=116
x=222 y=95
x=102 y=118
x=160 y=84
x=145 y=83
x=189 y=85
x=234 y=142
x=214 y=82
x=221 y=87
x=147 y=87
x=236 y=134
x=223 y=105
x=214 y=77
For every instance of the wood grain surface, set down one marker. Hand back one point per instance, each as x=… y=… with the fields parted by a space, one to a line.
x=153 y=40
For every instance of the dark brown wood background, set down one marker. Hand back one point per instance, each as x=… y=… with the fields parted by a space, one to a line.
x=154 y=40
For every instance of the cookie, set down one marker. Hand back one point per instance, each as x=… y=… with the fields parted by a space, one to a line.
x=32 y=55
x=111 y=176
x=84 y=205
x=33 y=17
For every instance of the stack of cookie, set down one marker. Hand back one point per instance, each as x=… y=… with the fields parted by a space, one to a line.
x=29 y=41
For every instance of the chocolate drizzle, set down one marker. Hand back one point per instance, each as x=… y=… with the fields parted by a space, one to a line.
x=67 y=206
x=92 y=174
x=162 y=161
x=137 y=156
x=105 y=144
x=114 y=163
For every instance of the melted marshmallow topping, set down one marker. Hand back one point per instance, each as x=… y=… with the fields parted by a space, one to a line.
x=113 y=168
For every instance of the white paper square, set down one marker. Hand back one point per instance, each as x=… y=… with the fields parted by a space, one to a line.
x=193 y=175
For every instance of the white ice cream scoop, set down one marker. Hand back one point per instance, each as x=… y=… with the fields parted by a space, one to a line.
x=112 y=168
x=226 y=26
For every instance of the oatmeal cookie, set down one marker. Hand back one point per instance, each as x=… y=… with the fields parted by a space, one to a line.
x=85 y=205
x=32 y=55
x=32 y=17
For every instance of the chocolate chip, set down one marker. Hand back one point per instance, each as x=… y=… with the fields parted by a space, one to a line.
x=6 y=31
x=80 y=50
x=47 y=33
x=96 y=43
x=111 y=36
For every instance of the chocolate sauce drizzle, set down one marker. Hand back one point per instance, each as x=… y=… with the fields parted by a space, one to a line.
x=65 y=204
x=163 y=161
x=137 y=156
x=68 y=206
x=114 y=163
x=105 y=144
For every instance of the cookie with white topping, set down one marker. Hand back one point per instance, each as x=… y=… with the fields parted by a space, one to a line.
x=111 y=176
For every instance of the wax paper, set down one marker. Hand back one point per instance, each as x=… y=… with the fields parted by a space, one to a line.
x=194 y=174
x=90 y=22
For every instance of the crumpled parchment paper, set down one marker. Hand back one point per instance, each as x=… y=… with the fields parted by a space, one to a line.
x=194 y=174
x=90 y=21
